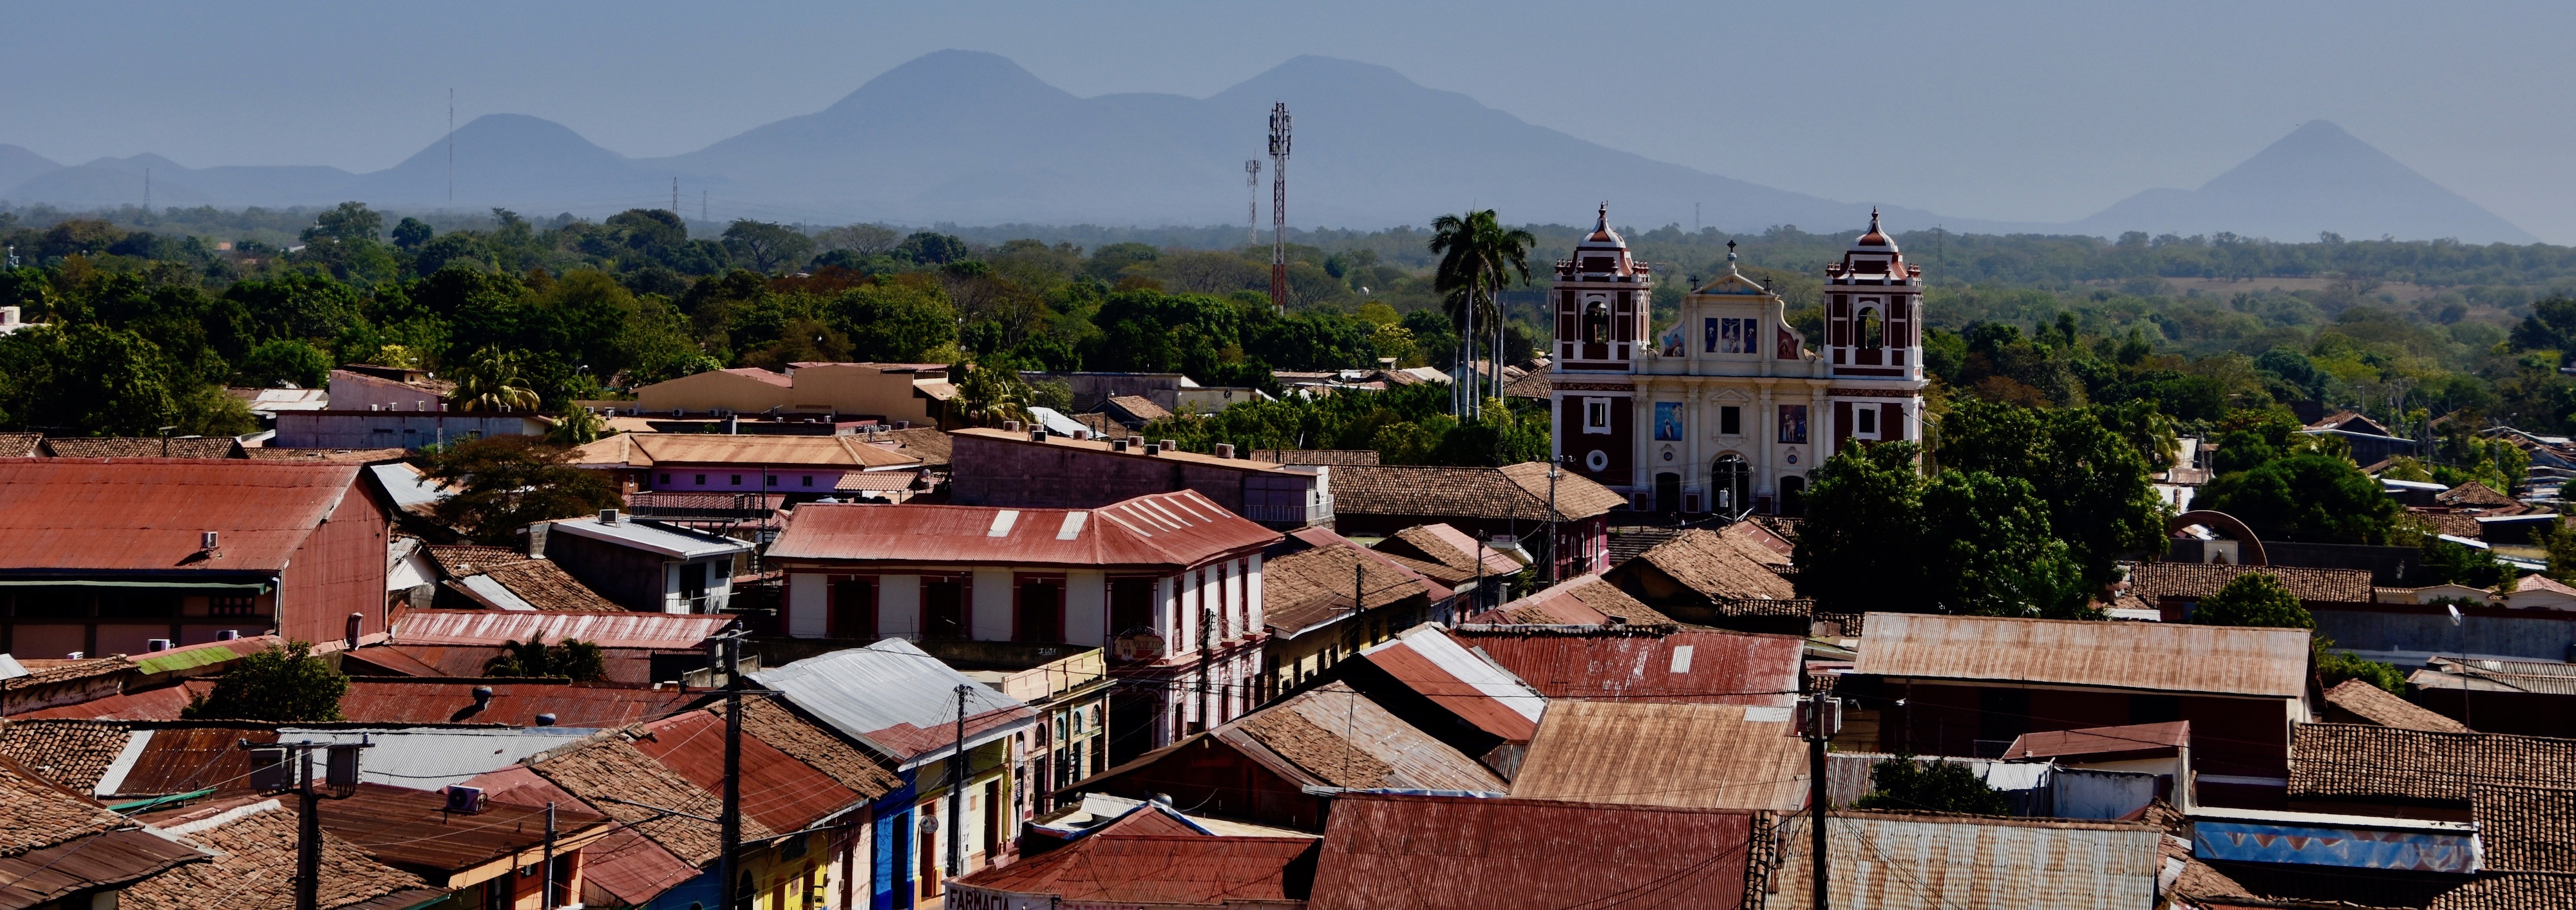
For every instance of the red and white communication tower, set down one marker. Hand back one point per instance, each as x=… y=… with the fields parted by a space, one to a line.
x=1279 y=207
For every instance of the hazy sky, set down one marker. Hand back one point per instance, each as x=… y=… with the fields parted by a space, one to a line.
x=2041 y=111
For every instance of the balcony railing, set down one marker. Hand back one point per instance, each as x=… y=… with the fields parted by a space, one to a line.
x=1294 y=516
x=704 y=603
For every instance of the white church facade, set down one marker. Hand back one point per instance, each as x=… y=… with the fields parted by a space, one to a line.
x=1728 y=409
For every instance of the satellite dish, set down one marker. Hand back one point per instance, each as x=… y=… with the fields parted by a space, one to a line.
x=2455 y=612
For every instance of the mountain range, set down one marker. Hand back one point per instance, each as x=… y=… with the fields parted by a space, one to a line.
x=972 y=138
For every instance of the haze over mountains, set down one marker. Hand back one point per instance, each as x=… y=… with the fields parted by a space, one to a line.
x=973 y=138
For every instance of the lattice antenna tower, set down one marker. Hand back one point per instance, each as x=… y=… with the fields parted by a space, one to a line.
x=1252 y=200
x=1279 y=207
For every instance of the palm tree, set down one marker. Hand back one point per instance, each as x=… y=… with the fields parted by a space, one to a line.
x=1478 y=259
x=492 y=381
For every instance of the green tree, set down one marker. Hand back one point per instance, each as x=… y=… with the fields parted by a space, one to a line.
x=286 y=360
x=991 y=393
x=577 y=426
x=87 y=378
x=2451 y=563
x=1906 y=783
x=504 y=483
x=494 y=380
x=276 y=685
x=1478 y=259
x=899 y=322
x=933 y=248
x=766 y=246
x=572 y=658
x=1859 y=543
x=2308 y=498
x=411 y=233
x=1880 y=536
x=2253 y=599
x=2091 y=475
x=348 y=222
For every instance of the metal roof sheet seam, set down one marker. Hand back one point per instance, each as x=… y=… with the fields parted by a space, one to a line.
x=868 y=693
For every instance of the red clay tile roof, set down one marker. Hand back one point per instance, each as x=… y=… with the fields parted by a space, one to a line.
x=2374 y=705
x=327 y=456
x=2511 y=891
x=2189 y=580
x=1384 y=852
x=1165 y=529
x=21 y=445
x=607 y=769
x=42 y=813
x=253 y=841
x=72 y=753
x=1332 y=735
x=149 y=513
x=930 y=444
x=2474 y=495
x=547 y=587
x=1516 y=491
x=779 y=791
x=1585 y=601
x=1450 y=553
x=1191 y=869
x=1138 y=408
x=2361 y=760
x=140 y=447
x=1721 y=567
x=1303 y=590
x=1334 y=457
x=412 y=827
x=808 y=742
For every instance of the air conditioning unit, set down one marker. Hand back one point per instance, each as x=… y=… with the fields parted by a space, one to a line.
x=151 y=645
x=464 y=800
x=268 y=770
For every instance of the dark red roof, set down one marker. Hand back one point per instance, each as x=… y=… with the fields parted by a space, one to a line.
x=160 y=703
x=1383 y=852
x=150 y=513
x=780 y=791
x=1160 y=869
x=411 y=828
x=1723 y=668
x=1174 y=530
x=2132 y=741
x=516 y=704
x=188 y=759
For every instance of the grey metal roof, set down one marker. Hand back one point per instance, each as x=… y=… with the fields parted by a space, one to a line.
x=407 y=485
x=494 y=593
x=870 y=693
x=652 y=536
x=430 y=758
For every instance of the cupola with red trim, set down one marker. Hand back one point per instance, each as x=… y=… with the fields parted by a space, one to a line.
x=1603 y=301
x=1874 y=309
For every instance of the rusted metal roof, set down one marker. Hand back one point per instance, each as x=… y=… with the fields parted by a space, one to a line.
x=151 y=513
x=1686 y=666
x=1688 y=756
x=1163 y=870
x=633 y=666
x=1426 y=660
x=99 y=861
x=1390 y=852
x=2103 y=743
x=670 y=631
x=789 y=732
x=783 y=793
x=186 y=759
x=157 y=703
x=410 y=828
x=603 y=771
x=753 y=450
x=1950 y=862
x=2163 y=657
x=516 y=704
x=1175 y=530
x=1333 y=736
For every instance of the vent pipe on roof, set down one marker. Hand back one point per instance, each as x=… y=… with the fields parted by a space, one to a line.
x=482 y=697
x=357 y=621
x=546 y=720
x=206 y=541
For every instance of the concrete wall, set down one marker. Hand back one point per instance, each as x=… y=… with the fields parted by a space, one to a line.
x=2389 y=566
x=991 y=472
x=361 y=392
x=338 y=429
x=2488 y=631
x=633 y=578
x=702 y=392
x=858 y=389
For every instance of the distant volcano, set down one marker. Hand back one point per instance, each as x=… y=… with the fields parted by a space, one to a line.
x=2317 y=179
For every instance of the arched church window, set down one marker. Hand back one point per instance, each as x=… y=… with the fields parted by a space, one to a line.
x=1873 y=330
x=1731 y=480
x=1596 y=322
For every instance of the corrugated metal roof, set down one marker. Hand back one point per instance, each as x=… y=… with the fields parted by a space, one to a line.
x=624 y=665
x=1388 y=852
x=150 y=513
x=429 y=758
x=253 y=841
x=1686 y=666
x=491 y=592
x=2167 y=657
x=412 y=828
x=411 y=490
x=1158 y=869
x=679 y=543
x=1915 y=862
x=1689 y=756
x=157 y=703
x=99 y=861
x=1426 y=660
x=670 y=631
x=896 y=698
x=750 y=450
x=783 y=793
x=2163 y=738
x=1166 y=529
x=184 y=760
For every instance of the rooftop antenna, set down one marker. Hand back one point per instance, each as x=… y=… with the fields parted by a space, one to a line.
x=1279 y=207
x=1252 y=199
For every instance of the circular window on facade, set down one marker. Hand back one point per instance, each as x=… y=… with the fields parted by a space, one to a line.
x=1597 y=460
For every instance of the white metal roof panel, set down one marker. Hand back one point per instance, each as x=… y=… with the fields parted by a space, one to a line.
x=864 y=692
x=428 y=759
x=669 y=541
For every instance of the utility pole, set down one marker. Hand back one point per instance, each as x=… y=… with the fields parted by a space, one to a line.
x=675 y=197
x=957 y=788
x=1816 y=735
x=270 y=772
x=546 y=899
x=1252 y=200
x=1279 y=207
x=729 y=651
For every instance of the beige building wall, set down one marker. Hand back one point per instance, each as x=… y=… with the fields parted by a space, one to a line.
x=709 y=391
x=842 y=388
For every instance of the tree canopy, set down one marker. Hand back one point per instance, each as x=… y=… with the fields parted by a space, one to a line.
x=278 y=685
